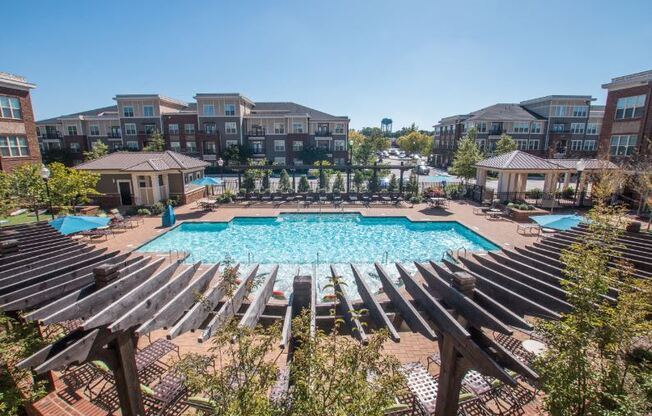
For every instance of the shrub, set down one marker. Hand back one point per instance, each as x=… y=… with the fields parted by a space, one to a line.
x=568 y=192
x=157 y=208
x=144 y=212
x=535 y=193
x=416 y=199
x=304 y=186
x=226 y=197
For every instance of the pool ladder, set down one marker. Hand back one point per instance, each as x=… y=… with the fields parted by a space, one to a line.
x=250 y=257
x=386 y=257
x=452 y=255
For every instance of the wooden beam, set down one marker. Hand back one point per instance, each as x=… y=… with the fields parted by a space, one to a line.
x=229 y=308
x=286 y=332
x=465 y=306
x=201 y=310
x=451 y=372
x=257 y=307
x=168 y=314
x=44 y=260
x=375 y=309
x=154 y=302
x=346 y=309
x=504 y=357
x=411 y=316
x=127 y=383
x=98 y=300
x=52 y=350
x=124 y=303
x=8 y=260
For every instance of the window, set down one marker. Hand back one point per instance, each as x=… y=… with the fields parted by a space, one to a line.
x=230 y=143
x=149 y=128
x=208 y=109
x=323 y=144
x=437 y=131
x=75 y=147
x=191 y=146
x=630 y=107
x=160 y=180
x=279 y=161
x=10 y=107
x=560 y=110
x=576 y=145
x=279 y=128
x=339 y=128
x=257 y=147
x=481 y=143
x=589 y=145
x=339 y=145
x=593 y=128
x=229 y=109
x=115 y=144
x=13 y=146
x=481 y=127
x=558 y=128
x=115 y=132
x=577 y=128
x=279 y=146
x=132 y=145
x=95 y=130
x=297 y=162
x=535 y=128
x=580 y=110
x=148 y=110
x=127 y=111
x=339 y=161
x=145 y=181
x=522 y=144
x=297 y=127
x=209 y=148
x=297 y=146
x=231 y=127
x=130 y=129
x=173 y=129
x=189 y=128
x=622 y=145
x=533 y=145
x=72 y=130
x=176 y=146
x=521 y=127
x=210 y=128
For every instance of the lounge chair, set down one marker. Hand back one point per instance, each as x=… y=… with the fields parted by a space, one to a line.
x=240 y=197
x=353 y=198
x=202 y=404
x=97 y=234
x=165 y=394
x=267 y=198
x=119 y=217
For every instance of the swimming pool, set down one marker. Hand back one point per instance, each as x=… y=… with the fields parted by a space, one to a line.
x=309 y=243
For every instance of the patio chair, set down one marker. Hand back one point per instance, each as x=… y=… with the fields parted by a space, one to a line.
x=353 y=198
x=165 y=394
x=202 y=404
x=240 y=197
x=266 y=198
x=366 y=200
x=154 y=352
x=422 y=384
x=97 y=234
x=277 y=197
x=117 y=216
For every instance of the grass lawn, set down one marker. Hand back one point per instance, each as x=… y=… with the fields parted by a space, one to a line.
x=21 y=219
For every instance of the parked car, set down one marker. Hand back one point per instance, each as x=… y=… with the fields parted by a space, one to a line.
x=421 y=170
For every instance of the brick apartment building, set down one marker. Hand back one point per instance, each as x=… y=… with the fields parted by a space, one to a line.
x=627 y=123
x=18 y=141
x=205 y=128
x=555 y=126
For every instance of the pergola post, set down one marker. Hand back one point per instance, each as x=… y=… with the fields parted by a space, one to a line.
x=567 y=178
x=126 y=376
x=481 y=177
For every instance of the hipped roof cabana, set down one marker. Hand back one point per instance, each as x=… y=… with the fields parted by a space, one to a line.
x=122 y=296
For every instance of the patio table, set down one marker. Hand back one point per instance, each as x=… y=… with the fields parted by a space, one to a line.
x=534 y=347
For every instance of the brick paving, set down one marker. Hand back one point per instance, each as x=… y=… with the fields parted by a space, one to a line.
x=413 y=346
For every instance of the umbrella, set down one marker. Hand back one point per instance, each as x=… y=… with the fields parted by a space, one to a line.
x=75 y=223
x=168 y=217
x=207 y=181
x=558 y=222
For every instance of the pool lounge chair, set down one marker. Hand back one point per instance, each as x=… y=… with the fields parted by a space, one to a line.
x=97 y=234
x=353 y=198
x=165 y=394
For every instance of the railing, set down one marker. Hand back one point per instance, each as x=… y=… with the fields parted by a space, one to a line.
x=545 y=199
x=114 y=136
x=323 y=133
x=256 y=133
x=51 y=136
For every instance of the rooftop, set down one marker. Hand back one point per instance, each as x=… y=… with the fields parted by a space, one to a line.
x=631 y=80
x=504 y=112
x=558 y=97
x=15 y=81
x=518 y=160
x=289 y=108
x=143 y=162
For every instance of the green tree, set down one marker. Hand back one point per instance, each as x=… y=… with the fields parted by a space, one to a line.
x=311 y=154
x=155 y=143
x=505 y=144
x=69 y=187
x=284 y=182
x=412 y=187
x=364 y=147
x=304 y=185
x=415 y=142
x=358 y=180
x=62 y=155
x=466 y=156
x=98 y=150
x=249 y=180
x=28 y=186
x=324 y=180
x=374 y=181
x=596 y=362
x=393 y=184
x=236 y=155
x=265 y=181
x=7 y=197
x=338 y=184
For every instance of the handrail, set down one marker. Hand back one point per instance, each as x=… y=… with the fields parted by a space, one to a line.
x=458 y=251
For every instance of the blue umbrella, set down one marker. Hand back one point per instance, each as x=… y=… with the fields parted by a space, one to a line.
x=75 y=223
x=558 y=222
x=207 y=181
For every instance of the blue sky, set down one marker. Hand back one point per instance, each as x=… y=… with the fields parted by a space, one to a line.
x=412 y=61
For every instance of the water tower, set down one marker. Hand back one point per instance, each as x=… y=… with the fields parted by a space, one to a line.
x=386 y=125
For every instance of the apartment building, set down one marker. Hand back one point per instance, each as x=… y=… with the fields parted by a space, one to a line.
x=205 y=128
x=627 y=122
x=559 y=126
x=18 y=141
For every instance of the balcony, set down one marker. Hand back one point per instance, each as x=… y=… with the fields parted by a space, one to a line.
x=51 y=136
x=256 y=133
x=323 y=133
x=113 y=135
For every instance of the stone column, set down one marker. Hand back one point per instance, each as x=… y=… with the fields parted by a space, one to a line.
x=156 y=190
x=567 y=178
x=481 y=177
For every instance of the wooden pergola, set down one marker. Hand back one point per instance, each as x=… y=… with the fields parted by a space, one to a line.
x=121 y=297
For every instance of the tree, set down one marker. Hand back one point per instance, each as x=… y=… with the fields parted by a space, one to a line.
x=304 y=185
x=466 y=156
x=311 y=154
x=284 y=182
x=7 y=197
x=155 y=143
x=265 y=181
x=338 y=185
x=505 y=144
x=412 y=187
x=374 y=181
x=98 y=150
x=640 y=177
x=69 y=187
x=324 y=180
x=364 y=147
x=358 y=180
x=596 y=363
x=249 y=180
x=28 y=186
x=393 y=184
x=236 y=154
x=61 y=155
x=415 y=142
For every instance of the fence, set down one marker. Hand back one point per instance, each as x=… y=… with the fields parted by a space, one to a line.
x=546 y=199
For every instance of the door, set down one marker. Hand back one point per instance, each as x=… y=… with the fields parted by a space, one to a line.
x=125 y=193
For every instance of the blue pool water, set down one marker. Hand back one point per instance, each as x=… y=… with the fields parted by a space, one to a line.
x=311 y=242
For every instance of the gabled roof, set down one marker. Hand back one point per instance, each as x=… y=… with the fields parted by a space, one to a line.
x=143 y=162
x=518 y=160
x=283 y=109
x=504 y=112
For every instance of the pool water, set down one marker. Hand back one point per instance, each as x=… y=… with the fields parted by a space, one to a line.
x=309 y=243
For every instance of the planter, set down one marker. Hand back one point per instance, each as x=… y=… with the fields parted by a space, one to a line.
x=523 y=215
x=633 y=227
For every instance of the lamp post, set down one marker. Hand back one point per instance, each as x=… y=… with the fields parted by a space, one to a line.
x=45 y=175
x=580 y=166
x=220 y=163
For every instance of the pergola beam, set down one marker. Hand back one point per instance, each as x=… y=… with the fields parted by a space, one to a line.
x=257 y=307
x=345 y=308
x=375 y=309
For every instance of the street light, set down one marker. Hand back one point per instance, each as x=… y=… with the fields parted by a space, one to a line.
x=220 y=163
x=45 y=175
x=579 y=166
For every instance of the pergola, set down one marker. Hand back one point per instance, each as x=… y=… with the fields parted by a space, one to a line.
x=120 y=297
